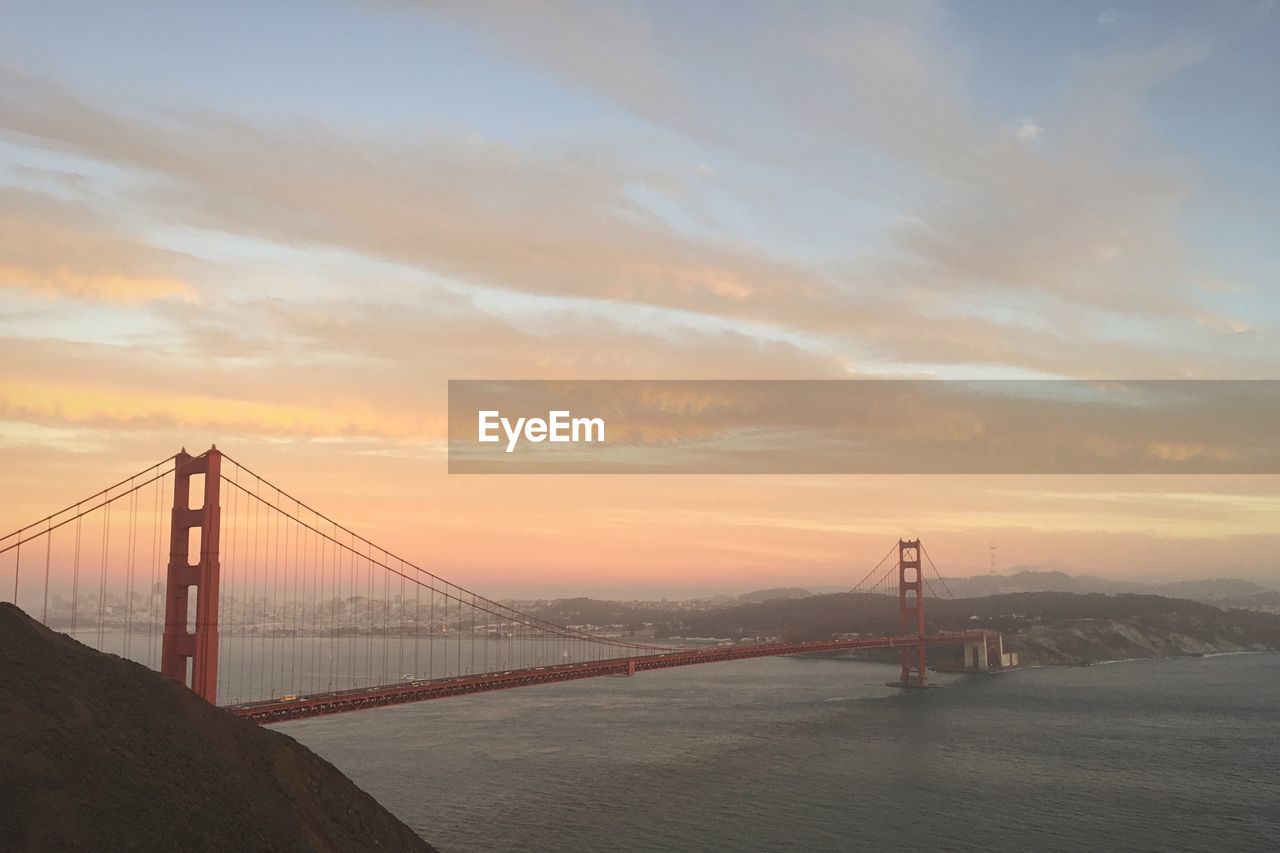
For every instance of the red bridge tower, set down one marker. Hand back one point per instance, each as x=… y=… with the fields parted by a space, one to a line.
x=911 y=610
x=192 y=657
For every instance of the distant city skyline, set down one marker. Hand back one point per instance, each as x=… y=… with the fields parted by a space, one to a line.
x=283 y=228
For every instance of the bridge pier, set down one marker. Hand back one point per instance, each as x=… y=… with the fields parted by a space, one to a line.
x=975 y=657
x=987 y=654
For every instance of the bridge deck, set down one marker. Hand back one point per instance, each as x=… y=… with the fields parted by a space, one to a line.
x=315 y=705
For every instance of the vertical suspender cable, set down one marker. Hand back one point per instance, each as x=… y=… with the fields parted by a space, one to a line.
x=369 y=643
x=317 y=609
x=275 y=601
x=417 y=626
x=155 y=558
x=234 y=681
x=75 y=576
x=351 y=613
x=308 y=617
x=331 y=627
x=339 y=610
x=386 y=603
x=333 y=592
x=128 y=593
x=295 y=642
x=102 y=582
x=48 y=549
x=400 y=619
x=253 y=604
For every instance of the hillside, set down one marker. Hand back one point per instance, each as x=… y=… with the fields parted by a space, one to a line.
x=1224 y=592
x=1085 y=641
x=773 y=594
x=98 y=753
x=1045 y=627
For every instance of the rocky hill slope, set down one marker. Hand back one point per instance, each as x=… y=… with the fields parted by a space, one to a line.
x=98 y=753
x=1086 y=641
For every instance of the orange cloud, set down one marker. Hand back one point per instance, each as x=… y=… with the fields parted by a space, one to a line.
x=540 y=222
x=98 y=402
x=58 y=248
x=104 y=287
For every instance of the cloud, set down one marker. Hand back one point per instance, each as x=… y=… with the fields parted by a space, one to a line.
x=541 y=222
x=1108 y=17
x=349 y=367
x=1083 y=221
x=1078 y=234
x=106 y=403
x=1226 y=325
x=1217 y=284
x=1028 y=131
x=60 y=248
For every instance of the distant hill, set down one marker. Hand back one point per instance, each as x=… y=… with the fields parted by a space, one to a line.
x=1049 y=616
x=592 y=612
x=1227 y=592
x=1045 y=627
x=779 y=593
x=98 y=753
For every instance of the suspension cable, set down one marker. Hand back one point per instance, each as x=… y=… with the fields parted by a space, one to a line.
x=389 y=555
x=941 y=579
x=384 y=563
x=80 y=513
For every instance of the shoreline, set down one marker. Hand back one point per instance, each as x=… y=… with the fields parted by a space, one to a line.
x=1110 y=661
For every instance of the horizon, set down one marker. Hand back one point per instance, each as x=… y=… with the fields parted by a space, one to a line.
x=1271 y=582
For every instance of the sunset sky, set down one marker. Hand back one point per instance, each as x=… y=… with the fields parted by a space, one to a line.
x=284 y=229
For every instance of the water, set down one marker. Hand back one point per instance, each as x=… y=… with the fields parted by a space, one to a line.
x=263 y=667
x=803 y=754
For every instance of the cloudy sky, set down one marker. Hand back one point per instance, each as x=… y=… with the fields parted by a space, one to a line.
x=283 y=227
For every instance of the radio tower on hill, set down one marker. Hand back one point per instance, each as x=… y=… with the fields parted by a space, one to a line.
x=992 y=549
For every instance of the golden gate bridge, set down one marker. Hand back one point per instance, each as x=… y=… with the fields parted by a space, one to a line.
x=202 y=569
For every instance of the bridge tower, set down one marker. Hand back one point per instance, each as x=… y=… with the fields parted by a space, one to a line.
x=192 y=656
x=911 y=612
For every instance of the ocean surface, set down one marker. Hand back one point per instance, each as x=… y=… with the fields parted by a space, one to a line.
x=805 y=754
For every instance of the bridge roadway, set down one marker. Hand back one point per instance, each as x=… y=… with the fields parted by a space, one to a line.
x=319 y=704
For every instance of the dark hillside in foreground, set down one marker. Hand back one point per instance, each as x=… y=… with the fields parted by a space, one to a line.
x=98 y=753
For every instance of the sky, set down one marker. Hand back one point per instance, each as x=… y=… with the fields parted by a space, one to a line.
x=284 y=227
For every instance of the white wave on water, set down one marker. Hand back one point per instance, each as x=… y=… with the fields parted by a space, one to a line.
x=1119 y=660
